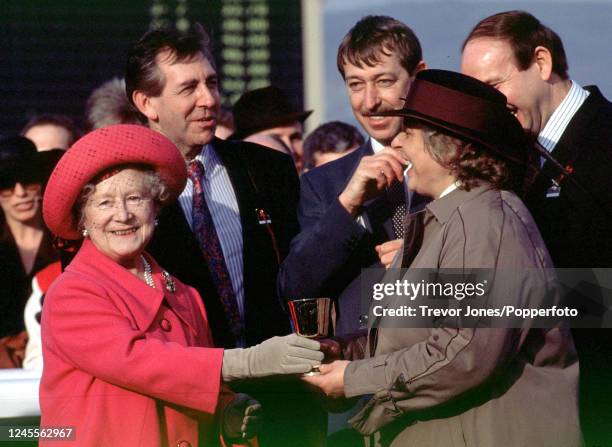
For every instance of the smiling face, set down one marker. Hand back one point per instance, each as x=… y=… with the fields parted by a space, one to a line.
x=186 y=110
x=21 y=203
x=120 y=216
x=377 y=89
x=492 y=61
x=427 y=176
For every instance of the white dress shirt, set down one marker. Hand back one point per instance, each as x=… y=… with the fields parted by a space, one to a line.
x=563 y=114
x=223 y=206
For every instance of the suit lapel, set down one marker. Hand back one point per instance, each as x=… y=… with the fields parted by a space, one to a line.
x=575 y=140
x=236 y=165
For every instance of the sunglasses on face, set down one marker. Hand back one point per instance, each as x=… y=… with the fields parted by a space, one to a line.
x=7 y=191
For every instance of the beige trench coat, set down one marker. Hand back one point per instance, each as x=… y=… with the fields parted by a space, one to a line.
x=473 y=387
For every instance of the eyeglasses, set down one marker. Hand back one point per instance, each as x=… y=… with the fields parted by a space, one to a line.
x=131 y=203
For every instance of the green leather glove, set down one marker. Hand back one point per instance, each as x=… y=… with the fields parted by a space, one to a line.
x=241 y=418
x=290 y=354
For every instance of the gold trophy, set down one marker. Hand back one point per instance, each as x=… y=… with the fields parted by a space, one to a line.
x=310 y=318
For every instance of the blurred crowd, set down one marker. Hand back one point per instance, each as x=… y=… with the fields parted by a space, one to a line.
x=151 y=284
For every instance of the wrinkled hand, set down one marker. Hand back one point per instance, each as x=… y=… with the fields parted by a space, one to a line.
x=372 y=176
x=241 y=418
x=388 y=250
x=331 y=379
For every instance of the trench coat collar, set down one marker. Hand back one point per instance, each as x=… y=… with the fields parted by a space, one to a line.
x=443 y=208
x=143 y=301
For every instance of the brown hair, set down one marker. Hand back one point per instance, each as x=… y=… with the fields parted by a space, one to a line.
x=376 y=35
x=141 y=71
x=468 y=162
x=524 y=33
x=53 y=119
x=332 y=137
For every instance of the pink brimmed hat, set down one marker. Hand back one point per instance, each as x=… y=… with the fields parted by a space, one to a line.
x=98 y=151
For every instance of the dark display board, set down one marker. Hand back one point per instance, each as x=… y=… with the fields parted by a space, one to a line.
x=54 y=53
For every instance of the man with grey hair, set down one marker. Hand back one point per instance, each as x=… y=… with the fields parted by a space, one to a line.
x=231 y=226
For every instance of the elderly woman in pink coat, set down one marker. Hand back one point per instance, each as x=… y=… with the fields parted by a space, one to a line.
x=127 y=350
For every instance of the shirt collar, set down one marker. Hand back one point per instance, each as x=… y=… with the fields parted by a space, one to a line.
x=563 y=114
x=208 y=157
x=450 y=189
x=376 y=146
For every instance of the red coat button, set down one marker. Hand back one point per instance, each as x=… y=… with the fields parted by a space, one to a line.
x=165 y=325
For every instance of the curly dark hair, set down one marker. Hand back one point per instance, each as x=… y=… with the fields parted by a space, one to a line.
x=469 y=162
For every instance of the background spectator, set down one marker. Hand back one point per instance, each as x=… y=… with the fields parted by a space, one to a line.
x=225 y=123
x=330 y=141
x=51 y=131
x=267 y=111
x=271 y=141
x=25 y=243
x=108 y=105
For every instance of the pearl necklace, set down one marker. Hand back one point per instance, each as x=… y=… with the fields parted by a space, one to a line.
x=148 y=276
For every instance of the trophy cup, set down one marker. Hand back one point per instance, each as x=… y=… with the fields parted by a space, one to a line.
x=310 y=318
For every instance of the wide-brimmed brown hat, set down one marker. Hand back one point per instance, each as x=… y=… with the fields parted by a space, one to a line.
x=467 y=108
x=264 y=108
x=96 y=152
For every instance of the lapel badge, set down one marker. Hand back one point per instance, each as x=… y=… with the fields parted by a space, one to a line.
x=262 y=217
x=555 y=188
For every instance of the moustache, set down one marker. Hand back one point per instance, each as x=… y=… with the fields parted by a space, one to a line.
x=368 y=113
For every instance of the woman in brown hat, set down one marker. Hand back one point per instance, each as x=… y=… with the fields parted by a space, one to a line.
x=128 y=357
x=25 y=243
x=440 y=381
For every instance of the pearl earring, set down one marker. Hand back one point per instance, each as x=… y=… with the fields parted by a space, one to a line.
x=85 y=233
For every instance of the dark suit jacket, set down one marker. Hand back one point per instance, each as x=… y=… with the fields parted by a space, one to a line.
x=327 y=256
x=577 y=229
x=274 y=188
x=577 y=225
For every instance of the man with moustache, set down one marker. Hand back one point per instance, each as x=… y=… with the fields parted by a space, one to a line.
x=347 y=207
x=243 y=197
x=570 y=197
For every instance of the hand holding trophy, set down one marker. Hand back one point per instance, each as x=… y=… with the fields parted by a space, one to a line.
x=311 y=319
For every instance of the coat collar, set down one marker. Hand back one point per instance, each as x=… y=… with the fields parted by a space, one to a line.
x=143 y=301
x=443 y=208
